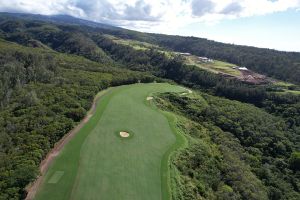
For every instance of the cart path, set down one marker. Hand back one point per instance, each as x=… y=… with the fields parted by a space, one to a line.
x=33 y=187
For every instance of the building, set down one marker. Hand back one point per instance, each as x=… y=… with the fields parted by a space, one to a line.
x=185 y=54
x=205 y=59
x=243 y=68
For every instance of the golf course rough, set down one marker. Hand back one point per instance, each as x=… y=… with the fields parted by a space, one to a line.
x=99 y=164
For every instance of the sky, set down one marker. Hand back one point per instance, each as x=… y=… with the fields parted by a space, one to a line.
x=271 y=24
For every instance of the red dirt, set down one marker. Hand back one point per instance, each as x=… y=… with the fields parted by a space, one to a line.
x=33 y=187
x=252 y=77
x=249 y=77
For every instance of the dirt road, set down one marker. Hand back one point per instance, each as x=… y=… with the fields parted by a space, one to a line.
x=33 y=187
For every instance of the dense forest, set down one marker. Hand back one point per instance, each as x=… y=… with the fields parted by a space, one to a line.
x=280 y=65
x=43 y=95
x=277 y=64
x=244 y=139
x=235 y=151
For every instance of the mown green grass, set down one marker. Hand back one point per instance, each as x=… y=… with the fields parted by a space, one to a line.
x=224 y=67
x=98 y=164
x=297 y=92
x=68 y=159
x=143 y=46
x=283 y=84
x=133 y=43
x=284 y=88
x=181 y=142
x=215 y=67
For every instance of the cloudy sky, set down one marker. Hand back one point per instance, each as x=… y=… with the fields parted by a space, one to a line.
x=262 y=23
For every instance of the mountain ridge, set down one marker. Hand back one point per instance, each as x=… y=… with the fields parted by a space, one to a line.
x=60 y=18
x=68 y=19
x=242 y=138
x=275 y=64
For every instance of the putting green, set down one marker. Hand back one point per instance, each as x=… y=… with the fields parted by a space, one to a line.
x=99 y=164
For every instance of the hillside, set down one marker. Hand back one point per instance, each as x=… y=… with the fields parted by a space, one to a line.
x=44 y=94
x=227 y=137
x=277 y=64
x=281 y=65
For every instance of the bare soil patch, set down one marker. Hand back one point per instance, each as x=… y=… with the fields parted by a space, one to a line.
x=252 y=77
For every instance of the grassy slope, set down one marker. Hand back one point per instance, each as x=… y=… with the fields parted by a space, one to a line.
x=215 y=67
x=285 y=87
x=133 y=43
x=297 y=92
x=68 y=160
x=168 y=171
x=111 y=167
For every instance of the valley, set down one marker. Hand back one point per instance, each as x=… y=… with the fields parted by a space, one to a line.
x=93 y=111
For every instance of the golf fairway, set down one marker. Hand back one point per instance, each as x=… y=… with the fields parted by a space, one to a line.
x=99 y=164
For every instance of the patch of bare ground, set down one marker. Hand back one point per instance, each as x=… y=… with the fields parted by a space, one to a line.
x=249 y=77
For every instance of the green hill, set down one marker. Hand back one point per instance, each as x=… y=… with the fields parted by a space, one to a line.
x=220 y=137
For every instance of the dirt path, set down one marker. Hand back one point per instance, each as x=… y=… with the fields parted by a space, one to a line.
x=33 y=187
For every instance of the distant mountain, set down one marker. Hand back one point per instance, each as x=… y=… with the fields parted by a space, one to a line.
x=51 y=67
x=62 y=19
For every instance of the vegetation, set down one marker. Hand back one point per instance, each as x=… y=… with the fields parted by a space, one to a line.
x=281 y=65
x=43 y=95
x=235 y=151
x=51 y=71
x=215 y=66
x=91 y=161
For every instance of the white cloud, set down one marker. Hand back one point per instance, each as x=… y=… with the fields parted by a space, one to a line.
x=262 y=7
x=232 y=8
x=150 y=15
x=202 y=7
x=40 y=7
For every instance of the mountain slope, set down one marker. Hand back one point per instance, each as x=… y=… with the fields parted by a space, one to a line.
x=59 y=19
x=49 y=73
x=281 y=65
x=44 y=94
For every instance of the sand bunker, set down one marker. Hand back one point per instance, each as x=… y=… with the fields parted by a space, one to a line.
x=124 y=134
x=149 y=98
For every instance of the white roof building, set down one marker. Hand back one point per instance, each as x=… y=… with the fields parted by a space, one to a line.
x=186 y=54
x=243 y=68
x=205 y=59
